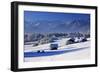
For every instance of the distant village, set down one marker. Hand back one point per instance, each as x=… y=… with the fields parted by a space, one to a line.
x=40 y=38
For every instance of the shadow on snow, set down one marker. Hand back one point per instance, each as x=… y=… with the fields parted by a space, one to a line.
x=50 y=53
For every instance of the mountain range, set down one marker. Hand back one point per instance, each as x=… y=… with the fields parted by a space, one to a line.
x=48 y=26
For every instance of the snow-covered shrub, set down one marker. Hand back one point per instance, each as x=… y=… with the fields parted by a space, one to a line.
x=35 y=44
x=70 y=41
x=84 y=39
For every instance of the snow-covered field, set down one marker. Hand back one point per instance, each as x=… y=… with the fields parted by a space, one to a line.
x=82 y=52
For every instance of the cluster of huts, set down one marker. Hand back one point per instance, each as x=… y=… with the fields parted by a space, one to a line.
x=76 y=40
x=54 y=46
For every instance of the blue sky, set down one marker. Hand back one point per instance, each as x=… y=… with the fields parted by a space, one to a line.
x=40 y=22
x=34 y=15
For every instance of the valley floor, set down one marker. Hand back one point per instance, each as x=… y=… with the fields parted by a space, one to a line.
x=82 y=52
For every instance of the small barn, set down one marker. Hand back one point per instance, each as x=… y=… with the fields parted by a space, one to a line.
x=54 y=46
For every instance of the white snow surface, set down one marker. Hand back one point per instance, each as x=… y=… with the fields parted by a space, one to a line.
x=74 y=55
x=29 y=48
